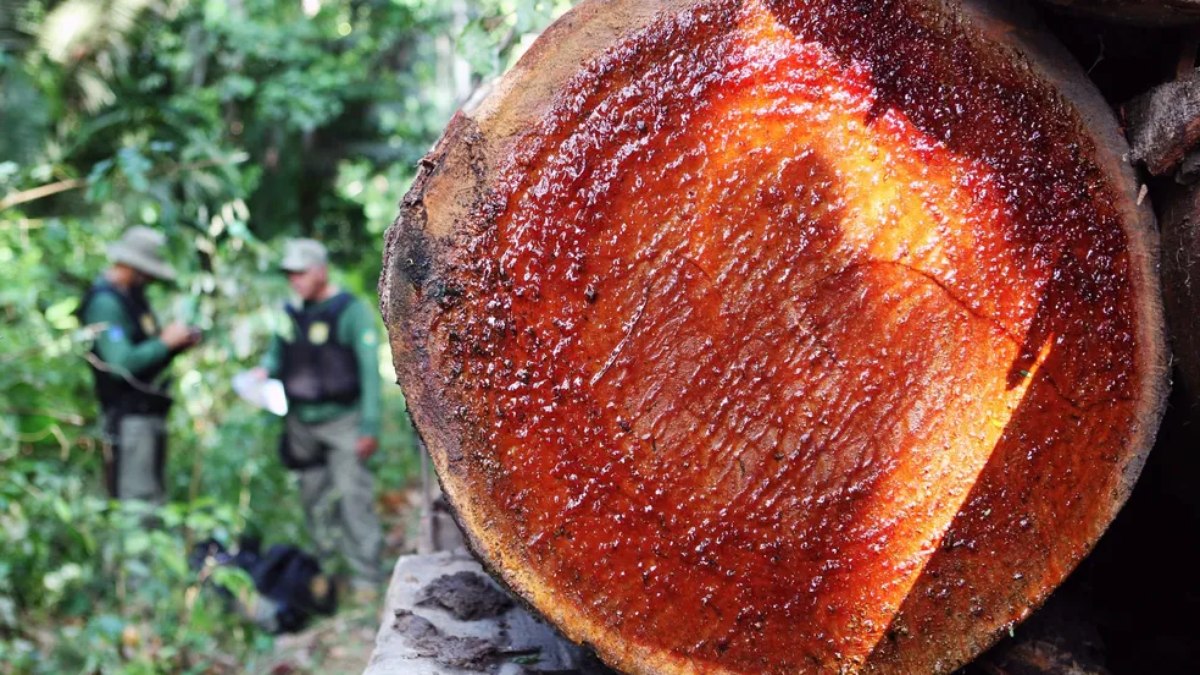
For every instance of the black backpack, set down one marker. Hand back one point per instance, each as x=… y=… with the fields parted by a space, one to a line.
x=286 y=575
x=292 y=579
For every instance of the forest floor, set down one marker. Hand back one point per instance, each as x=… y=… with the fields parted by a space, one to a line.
x=339 y=645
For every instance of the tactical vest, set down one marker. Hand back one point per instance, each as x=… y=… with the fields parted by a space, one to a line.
x=122 y=392
x=315 y=366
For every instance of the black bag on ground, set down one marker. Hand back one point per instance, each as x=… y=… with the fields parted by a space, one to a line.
x=290 y=588
x=292 y=579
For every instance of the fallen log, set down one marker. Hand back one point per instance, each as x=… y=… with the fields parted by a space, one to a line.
x=1164 y=124
x=774 y=337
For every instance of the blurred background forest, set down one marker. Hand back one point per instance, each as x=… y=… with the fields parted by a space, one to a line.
x=229 y=125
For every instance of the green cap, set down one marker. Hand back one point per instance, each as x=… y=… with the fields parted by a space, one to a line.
x=301 y=255
x=141 y=248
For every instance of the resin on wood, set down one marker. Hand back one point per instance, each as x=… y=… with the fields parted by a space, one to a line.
x=781 y=336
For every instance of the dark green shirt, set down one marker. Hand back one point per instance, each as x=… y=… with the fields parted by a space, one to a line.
x=356 y=328
x=113 y=343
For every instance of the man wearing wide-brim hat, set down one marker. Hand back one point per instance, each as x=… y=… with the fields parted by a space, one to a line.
x=327 y=356
x=128 y=360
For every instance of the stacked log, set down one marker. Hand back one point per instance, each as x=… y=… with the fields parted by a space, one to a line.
x=1164 y=129
x=781 y=336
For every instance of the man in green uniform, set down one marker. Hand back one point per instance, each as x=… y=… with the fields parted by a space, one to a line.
x=128 y=359
x=328 y=360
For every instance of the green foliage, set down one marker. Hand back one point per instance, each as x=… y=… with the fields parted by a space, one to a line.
x=228 y=125
x=120 y=592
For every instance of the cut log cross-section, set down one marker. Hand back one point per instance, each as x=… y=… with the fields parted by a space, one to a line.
x=781 y=336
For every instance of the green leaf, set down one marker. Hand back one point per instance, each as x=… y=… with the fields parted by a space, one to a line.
x=99 y=170
x=134 y=166
x=61 y=314
x=137 y=542
x=234 y=579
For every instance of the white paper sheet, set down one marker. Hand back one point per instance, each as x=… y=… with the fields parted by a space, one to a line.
x=266 y=394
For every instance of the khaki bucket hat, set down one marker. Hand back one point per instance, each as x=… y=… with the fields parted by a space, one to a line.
x=301 y=255
x=141 y=248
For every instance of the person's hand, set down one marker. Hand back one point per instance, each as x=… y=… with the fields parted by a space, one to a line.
x=366 y=446
x=179 y=336
x=259 y=373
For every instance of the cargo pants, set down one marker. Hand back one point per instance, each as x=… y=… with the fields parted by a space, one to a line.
x=137 y=447
x=338 y=497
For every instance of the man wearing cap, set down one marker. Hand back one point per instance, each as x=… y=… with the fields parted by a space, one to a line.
x=128 y=359
x=327 y=357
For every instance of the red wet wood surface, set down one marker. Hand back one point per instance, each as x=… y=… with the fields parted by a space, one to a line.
x=794 y=338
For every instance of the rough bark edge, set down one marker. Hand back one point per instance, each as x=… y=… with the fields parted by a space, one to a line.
x=1164 y=124
x=476 y=138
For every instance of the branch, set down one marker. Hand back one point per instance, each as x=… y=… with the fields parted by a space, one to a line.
x=23 y=223
x=124 y=375
x=32 y=194
x=65 y=418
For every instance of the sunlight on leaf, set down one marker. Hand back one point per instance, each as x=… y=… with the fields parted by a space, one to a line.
x=61 y=314
x=57 y=581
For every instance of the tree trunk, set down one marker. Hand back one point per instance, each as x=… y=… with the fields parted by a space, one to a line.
x=777 y=336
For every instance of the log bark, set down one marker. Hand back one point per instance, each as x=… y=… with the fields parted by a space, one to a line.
x=779 y=336
x=1146 y=12
x=1164 y=124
